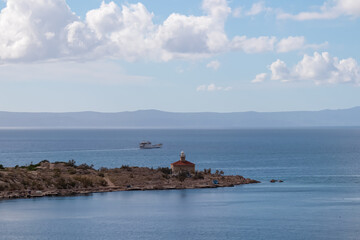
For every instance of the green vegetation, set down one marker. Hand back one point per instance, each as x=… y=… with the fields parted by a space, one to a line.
x=165 y=170
x=207 y=171
x=32 y=167
x=84 y=166
x=126 y=167
x=182 y=175
x=219 y=173
x=1 y=167
x=85 y=181
x=198 y=175
x=71 y=163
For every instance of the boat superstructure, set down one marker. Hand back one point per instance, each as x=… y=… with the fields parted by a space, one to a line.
x=149 y=145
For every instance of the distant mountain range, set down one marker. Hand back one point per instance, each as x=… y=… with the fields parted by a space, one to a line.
x=201 y=120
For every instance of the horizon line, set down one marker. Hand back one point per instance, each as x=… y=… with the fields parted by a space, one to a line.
x=181 y=112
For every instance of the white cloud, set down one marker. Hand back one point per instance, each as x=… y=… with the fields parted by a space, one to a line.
x=331 y=9
x=39 y=30
x=260 y=78
x=214 y=65
x=319 y=68
x=297 y=43
x=290 y=44
x=125 y=32
x=253 y=45
x=43 y=29
x=257 y=8
x=212 y=87
x=279 y=70
x=192 y=36
x=268 y=44
x=33 y=29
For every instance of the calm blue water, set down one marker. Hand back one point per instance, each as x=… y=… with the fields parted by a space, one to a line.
x=320 y=198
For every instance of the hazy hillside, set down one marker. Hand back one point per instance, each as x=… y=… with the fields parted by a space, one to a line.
x=159 y=119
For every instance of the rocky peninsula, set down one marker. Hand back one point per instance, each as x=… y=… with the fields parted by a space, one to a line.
x=67 y=178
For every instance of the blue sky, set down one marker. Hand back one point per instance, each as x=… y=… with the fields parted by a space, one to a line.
x=179 y=56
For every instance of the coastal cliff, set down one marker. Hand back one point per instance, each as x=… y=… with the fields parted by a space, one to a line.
x=66 y=178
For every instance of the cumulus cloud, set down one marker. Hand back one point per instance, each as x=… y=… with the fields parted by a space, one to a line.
x=320 y=68
x=33 y=29
x=43 y=29
x=331 y=9
x=214 y=65
x=38 y=30
x=279 y=71
x=211 y=88
x=260 y=78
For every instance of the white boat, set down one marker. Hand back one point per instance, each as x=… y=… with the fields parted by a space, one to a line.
x=148 y=145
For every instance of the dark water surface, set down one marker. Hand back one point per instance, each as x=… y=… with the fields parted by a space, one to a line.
x=320 y=198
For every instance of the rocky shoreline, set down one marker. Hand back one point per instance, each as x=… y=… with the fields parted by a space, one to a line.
x=66 y=179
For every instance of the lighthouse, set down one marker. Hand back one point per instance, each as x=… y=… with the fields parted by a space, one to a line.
x=182 y=165
x=182 y=156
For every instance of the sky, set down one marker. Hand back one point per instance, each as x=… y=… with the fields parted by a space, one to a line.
x=179 y=56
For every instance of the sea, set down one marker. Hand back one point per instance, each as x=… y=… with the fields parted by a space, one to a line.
x=319 y=198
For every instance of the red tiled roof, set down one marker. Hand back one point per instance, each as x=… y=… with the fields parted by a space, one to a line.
x=180 y=163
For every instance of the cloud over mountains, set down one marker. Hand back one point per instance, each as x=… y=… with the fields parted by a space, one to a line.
x=321 y=68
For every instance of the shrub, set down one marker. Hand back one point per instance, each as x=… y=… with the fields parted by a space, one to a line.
x=72 y=171
x=103 y=183
x=85 y=181
x=32 y=167
x=1 y=167
x=101 y=174
x=126 y=167
x=57 y=173
x=207 y=171
x=182 y=175
x=84 y=166
x=198 y=175
x=71 y=163
x=165 y=170
x=61 y=183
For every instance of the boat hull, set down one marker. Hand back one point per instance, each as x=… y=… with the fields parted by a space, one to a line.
x=150 y=146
